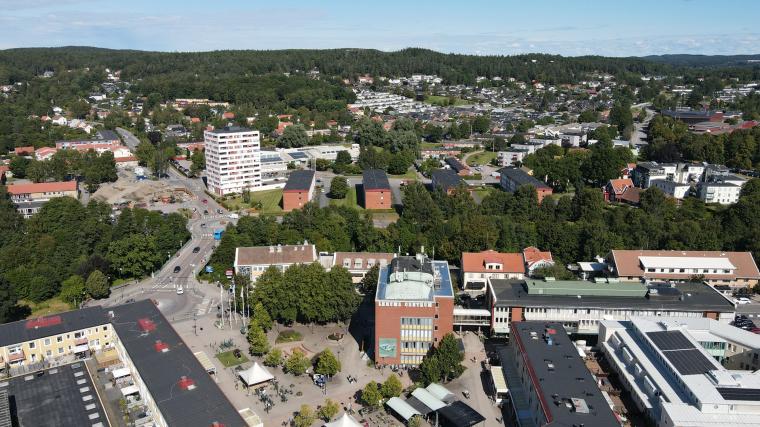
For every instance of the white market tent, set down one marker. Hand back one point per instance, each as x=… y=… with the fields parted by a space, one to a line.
x=256 y=374
x=344 y=421
x=131 y=389
x=441 y=393
x=428 y=399
x=499 y=383
x=405 y=410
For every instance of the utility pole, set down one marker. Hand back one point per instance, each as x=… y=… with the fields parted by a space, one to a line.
x=221 y=302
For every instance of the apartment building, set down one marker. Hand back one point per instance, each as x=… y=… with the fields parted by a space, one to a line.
x=233 y=160
x=377 y=189
x=253 y=261
x=512 y=178
x=359 y=263
x=414 y=309
x=29 y=198
x=299 y=190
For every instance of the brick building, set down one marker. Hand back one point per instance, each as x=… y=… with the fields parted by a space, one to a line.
x=377 y=189
x=414 y=309
x=299 y=190
x=512 y=178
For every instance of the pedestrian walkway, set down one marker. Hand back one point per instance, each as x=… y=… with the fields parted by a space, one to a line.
x=206 y=306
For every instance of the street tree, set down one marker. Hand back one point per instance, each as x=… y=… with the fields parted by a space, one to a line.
x=257 y=339
x=297 y=363
x=273 y=358
x=305 y=417
x=371 y=395
x=327 y=363
x=261 y=316
x=338 y=187
x=97 y=285
x=391 y=387
x=329 y=410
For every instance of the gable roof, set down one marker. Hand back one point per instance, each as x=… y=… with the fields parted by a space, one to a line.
x=533 y=255
x=475 y=262
x=618 y=186
x=280 y=254
x=375 y=179
x=445 y=179
x=627 y=263
x=300 y=180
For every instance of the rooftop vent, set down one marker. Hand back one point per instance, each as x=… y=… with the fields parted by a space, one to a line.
x=186 y=383
x=146 y=325
x=161 y=346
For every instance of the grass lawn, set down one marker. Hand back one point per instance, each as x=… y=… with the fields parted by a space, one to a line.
x=482 y=158
x=270 y=201
x=444 y=100
x=349 y=200
x=410 y=174
x=385 y=216
x=288 y=335
x=228 y=358
x=430 y=145
x=482 y=192
x=47 y=307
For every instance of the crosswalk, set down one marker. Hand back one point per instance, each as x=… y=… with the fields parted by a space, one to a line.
x=206 y=306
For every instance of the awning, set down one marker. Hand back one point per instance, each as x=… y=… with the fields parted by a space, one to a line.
x=441 y=393
x=459 y=414
x=499 y=383
x=81 y=348
x=131 y=389
x=121 y=372
x=207 y=364
x=256 y=374
x=428 y=399
x=403 y=409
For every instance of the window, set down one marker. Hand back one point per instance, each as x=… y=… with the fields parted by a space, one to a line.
x=31 y=344
x=59 y=338
x=47 y=341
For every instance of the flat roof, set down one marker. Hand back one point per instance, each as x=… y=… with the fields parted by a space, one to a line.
x=697 y=297
x=414 y=273
x=41 y=327
x=231 y=129
x=60 y=396
x=375 y=179
x=139 y=326
x=585 y=288
x=460 y=414
x=565 y=387
x=300 y=180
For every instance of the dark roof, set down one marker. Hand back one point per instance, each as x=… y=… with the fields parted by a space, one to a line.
x=54 y=398
x=139 y=326
x=108 y=135
x=445 y=179
x=231 y=129
x=688 y=114
x=411 y=264
x=559 y=375
x=5 y=410
x=697 y=297
x=300 y=180
x=519 y=177
x=375 y=179
x=32 y=329
x=459 y=414
x=456 y=164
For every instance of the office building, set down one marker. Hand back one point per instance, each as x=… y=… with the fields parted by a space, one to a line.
x=233 y=160
x=357 y=263
x=414 y=309
x=580 y=305
x=736 y=269
x=549 y=384
x=671 y=369
x=253 y=261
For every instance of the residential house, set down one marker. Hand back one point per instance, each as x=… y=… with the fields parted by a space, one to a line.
x=673 y=189
x=478 y=267
x=536 y=258
x=615 y=188
x=457 y=166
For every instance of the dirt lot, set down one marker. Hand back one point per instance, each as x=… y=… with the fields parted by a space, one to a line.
x=129 y=189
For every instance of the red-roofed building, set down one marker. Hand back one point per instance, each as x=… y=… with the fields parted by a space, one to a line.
x=229 y=115
x=29 y=198
x=615 y=189
x=281 y=127
x=478 y=267
x=195 y=120
x=535 y=259
x=44 y=153
x=5 y=170
x=24 y=151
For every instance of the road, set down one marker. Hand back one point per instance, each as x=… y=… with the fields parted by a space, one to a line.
x=162 y=286
x=639 y=137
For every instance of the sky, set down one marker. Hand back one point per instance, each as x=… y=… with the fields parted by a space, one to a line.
x=506 y=27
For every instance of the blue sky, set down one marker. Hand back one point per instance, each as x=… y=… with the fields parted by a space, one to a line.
x=567 y=27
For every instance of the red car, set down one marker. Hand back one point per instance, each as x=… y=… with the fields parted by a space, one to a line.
x=205 y=201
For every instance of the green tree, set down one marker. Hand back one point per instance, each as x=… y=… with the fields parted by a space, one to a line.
x=342 y=161
x=97 y=285
x=588 y=116
x=9 y=309
x=293 y=136
x=338 y=187
x=481 y=124
x=37 y=171
x=257 y=339
x=368 y=284
x=371 y=395
x=327 y=363
x=430 y=368
x=134 y=256
x=329 y=410
x=198 y=159
x=450 y=357
x=72 y=289
x=305 y=417
x=261 y=316
x=391 y=387
x=297 y=363
x=273 y=357
x=415 y=421
x=18 y=166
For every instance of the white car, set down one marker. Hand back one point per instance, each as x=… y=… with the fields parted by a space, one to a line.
x=180 y=290
x=742 y=300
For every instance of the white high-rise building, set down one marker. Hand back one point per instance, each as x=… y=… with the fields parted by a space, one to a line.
x=233 y=160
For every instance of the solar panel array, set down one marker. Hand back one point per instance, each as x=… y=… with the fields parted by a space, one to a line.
x=297 y=155
x=730 y=393
x=681 y=352
x=670 y=340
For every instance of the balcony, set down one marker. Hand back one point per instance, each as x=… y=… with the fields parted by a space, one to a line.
x=15 y=357
x=80 y=341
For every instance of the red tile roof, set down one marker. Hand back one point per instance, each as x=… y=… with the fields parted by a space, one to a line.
x=627 y=263
x=42 y=187
x=619 y=185
x=476 y=262
x=23 y=150
x=534 y=255
x=630 y=195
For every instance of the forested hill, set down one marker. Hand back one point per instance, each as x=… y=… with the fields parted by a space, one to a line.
x=706 y=60
x=20 y=64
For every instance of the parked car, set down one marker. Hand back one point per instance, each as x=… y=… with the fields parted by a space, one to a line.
x=742 y=300
x=180 y=290
x=177 y=269
x=196 y=249
x=205 y=201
